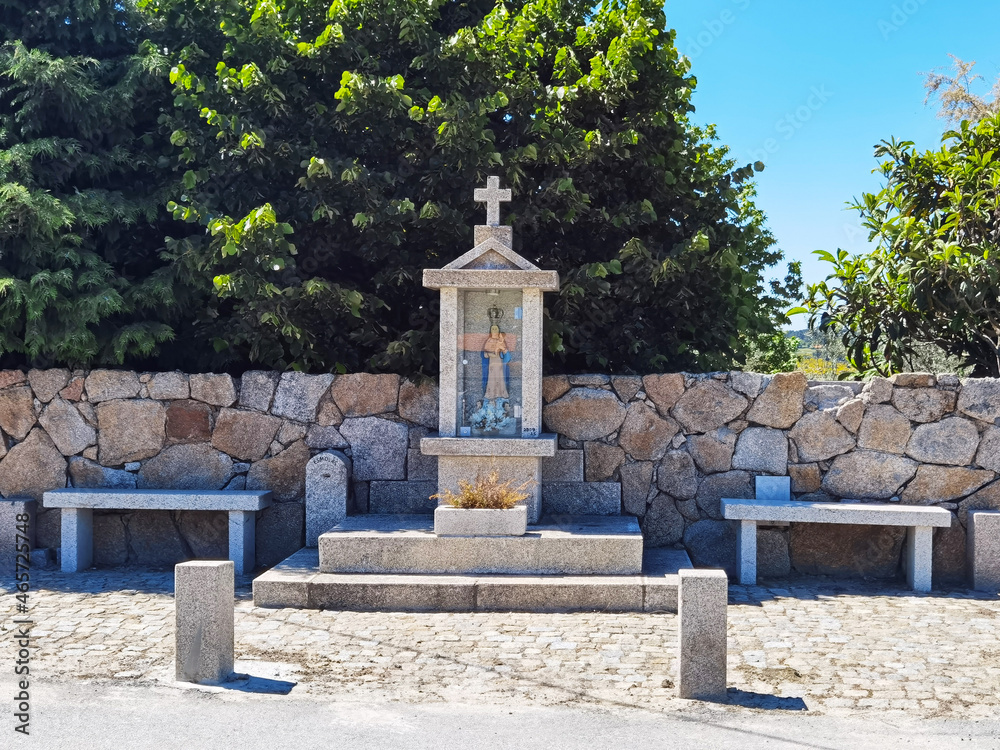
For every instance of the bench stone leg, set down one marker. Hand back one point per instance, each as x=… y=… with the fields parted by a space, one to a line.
x=746 y=552
x=77 y=539
x=242 y=535
x=919 y=553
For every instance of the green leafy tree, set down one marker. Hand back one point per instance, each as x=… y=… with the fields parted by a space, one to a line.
x=81 y=194
x=821 y=355
x=330 y=151
x=772 y=352
x=933 y=277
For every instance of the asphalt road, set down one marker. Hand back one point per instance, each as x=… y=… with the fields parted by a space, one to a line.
x=80 y=715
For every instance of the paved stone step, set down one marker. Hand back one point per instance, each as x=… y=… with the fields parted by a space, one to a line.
x=297 y=583
x=400 y=544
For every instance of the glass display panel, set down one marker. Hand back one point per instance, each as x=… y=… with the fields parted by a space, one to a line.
x=489 y=363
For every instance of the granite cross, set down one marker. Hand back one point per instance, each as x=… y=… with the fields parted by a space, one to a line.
x=492 y=196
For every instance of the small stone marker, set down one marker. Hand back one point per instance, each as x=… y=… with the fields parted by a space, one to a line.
x=327 y=477
x=10 y=509
x=778 y=489
x=702 y=598
x=983 y=550
x=205 y=629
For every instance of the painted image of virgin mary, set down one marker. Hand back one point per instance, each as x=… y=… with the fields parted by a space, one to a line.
x=495 y=370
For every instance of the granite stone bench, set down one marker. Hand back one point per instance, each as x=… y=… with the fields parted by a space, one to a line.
x=775 y=505
x=78 y=507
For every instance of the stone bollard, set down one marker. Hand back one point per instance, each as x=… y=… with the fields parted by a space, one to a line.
x=983 y=550
x=10 y=510
x=702 y=598
x=203 y=602
x=327 y=477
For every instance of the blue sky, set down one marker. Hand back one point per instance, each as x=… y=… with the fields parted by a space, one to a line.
x=809 y=88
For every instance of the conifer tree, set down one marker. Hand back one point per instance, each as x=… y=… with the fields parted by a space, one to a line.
x=82 y=188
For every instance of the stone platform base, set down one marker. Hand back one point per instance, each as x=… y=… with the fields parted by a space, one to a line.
x=400 y=544
x=297 y=583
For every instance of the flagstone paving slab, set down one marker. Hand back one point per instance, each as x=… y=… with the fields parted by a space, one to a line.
x=831 y=647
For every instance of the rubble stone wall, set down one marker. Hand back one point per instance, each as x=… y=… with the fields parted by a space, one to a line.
x=675 y=444
x=678 y=443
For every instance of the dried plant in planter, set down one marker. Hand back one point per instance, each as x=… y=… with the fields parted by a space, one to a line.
x=486 y=493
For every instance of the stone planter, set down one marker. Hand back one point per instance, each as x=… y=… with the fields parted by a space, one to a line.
x=449 y=521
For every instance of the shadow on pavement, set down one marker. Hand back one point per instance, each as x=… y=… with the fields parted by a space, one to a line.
x=246 y=683
x=764 y=701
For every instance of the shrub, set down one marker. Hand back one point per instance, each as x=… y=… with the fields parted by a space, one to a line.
x=486 y=493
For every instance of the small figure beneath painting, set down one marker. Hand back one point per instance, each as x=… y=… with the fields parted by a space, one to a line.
x=495 y=359
x=493 y=412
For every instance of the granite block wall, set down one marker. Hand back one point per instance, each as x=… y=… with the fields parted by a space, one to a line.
x=678 y=443
x=111 y=428
x=670 y=445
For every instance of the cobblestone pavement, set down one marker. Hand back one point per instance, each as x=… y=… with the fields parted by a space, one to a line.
x=816 y=644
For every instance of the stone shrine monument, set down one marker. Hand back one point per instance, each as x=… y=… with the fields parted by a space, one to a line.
x=489 y=419
x=490 y=408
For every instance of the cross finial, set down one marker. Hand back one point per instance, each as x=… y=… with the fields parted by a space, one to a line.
x=492 y=196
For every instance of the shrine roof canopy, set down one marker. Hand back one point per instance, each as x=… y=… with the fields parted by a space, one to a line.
x=491 y=253
x=491 y=265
